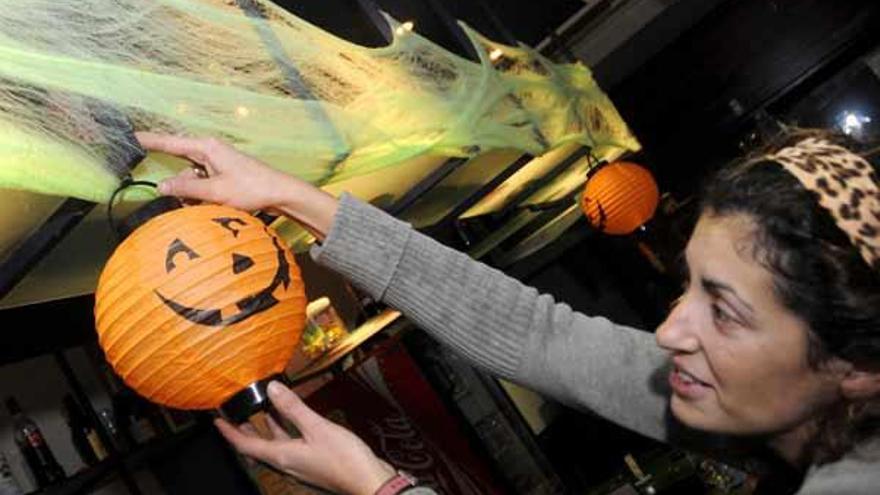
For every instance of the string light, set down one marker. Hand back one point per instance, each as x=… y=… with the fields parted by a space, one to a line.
x=242 y=111
x=495 y=54
x=851 y=123
x=405 y=28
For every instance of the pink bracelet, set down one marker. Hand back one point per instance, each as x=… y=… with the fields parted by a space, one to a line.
x=400 y=482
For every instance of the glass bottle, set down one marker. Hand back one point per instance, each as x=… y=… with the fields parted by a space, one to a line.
x=32 y=444
x=83 y=433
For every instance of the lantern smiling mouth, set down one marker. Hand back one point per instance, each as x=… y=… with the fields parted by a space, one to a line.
x=248 y=306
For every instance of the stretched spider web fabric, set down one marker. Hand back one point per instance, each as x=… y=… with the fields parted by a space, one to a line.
x=77 y=76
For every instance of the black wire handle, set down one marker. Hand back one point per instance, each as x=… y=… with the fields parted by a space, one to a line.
x=125 y=184
x=594 y=163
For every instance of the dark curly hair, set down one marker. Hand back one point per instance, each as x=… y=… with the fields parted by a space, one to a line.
x=817 y=273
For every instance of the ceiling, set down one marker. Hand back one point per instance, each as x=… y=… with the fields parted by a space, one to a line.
x=72 y=266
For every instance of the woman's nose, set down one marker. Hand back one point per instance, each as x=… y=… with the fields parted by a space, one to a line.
x=678 y=332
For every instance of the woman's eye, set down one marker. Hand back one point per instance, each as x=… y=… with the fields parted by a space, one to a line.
x=720 y=315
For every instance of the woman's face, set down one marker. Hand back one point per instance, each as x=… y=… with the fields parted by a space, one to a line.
x=740 y=357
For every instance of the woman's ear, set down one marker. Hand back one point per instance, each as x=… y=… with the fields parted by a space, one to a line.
x=860 y=384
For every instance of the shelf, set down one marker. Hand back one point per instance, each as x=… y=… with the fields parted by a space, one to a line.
x=92 y=476
x=351 y=342
x=82 y=481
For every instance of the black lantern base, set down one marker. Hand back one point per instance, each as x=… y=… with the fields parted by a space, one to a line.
x=251 y=400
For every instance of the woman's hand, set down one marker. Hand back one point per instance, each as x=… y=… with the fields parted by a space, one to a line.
x=221 y=174
x=327 y=455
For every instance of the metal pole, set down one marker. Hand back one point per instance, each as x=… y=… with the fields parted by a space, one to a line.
x=371 y=10
x=426 y=184
x=546 y=179
x=454 y=28
x=506 y=34
x=486 y=188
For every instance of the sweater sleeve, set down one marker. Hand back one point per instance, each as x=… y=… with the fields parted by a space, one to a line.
x=498 y=323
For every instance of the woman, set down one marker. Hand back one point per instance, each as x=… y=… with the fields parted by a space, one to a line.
x=777 y=336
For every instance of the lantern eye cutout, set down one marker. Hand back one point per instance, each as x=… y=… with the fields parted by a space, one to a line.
x=229 y=224
x=176 y=247
x=240 y=263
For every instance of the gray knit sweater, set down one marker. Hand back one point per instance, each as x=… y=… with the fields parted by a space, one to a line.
x=516 y=333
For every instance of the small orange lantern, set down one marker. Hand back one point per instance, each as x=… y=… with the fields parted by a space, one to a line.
x=620 y=197
x=198 y=304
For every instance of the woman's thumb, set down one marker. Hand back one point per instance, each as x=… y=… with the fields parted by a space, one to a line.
x=293 y=408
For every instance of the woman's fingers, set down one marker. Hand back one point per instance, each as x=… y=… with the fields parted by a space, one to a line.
x=196 y=149
x=189 y=185
x=278 y=432
x=293 y=408
x=252 y=446
x=284 y=453
x=249 y=430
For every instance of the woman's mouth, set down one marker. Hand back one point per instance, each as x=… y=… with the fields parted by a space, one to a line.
x=686 y=385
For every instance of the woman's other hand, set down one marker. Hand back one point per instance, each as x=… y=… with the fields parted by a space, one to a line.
x=327 y=455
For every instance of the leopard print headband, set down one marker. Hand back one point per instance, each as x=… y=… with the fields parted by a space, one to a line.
x=846 y=184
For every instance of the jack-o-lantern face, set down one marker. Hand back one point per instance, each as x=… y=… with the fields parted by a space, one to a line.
x=248 y=305
x=197 y=304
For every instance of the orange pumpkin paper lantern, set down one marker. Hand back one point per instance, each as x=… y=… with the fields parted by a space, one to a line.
x=198 y=304
x=620 y=197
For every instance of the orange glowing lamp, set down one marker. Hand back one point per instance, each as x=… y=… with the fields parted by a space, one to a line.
x=198 y=304
x=620 y=197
